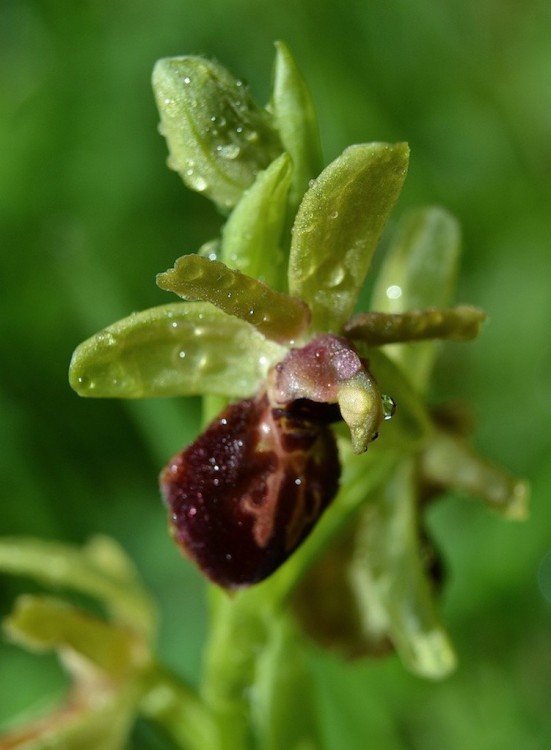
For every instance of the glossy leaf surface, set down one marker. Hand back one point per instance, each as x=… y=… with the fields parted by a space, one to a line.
x=277 y=316
x=251 y=237
x=338 y=226
x=173 y=350
x=218 y=138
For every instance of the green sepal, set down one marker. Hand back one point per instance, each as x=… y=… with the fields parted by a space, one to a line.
x=276 y=316
x=99 y=569
x=390 y=580
x=295 y=118
x=251 y=237
x=338 y=226
x=173 y=350
x=218 y=138
x=419 y=271
x=449 y=462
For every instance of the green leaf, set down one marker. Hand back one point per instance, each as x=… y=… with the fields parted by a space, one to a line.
x=275 y=315
x=419 y=271
x=295 y=118
x=218 y=138
x=337 y=228
x=251 y=237
x=173 y=350
x=63 y=565
x=44 y=623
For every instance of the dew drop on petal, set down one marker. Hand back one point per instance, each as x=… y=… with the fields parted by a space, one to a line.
x=389 y=406
x=394 y=292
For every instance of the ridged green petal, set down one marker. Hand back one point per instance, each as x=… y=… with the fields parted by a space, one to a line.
x=275 y=315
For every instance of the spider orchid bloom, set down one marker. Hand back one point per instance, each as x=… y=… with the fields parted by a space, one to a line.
x=249 y=490
x=268 y=329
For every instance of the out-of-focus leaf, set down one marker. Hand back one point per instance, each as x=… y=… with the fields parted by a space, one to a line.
x=44 y=623
x=251 y=238
x=275 y=315
x=88 y=722
x=173 y=350
x=337 y=228
x=63 y=565
x=460 y=323
x=295 y=118
x=448 y=461
x=390 y=580
x=217 y=136
x=419 y=271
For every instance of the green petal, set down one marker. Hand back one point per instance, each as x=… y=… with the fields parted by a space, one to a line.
x=337 y=228
x=251 y=238
x=460 y=323
x=173 y=350
x=295 y=118
x=419 y=271
x=218 y=138
x=275 y=315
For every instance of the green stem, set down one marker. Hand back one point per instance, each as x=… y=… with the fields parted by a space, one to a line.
x=171 y=704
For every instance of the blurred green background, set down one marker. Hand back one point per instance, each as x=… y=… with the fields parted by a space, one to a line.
x=89 y=215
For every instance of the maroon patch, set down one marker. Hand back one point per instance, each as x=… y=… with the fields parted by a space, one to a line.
x=250 y=489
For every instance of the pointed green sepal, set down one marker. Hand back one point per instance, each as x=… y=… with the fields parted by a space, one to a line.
x=338 y=226
x=275 y=315
x=173 y=350
x=251 y=237
x=295 y=118
x=218 y=138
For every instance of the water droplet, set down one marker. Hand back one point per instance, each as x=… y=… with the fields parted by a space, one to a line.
x=181 y=354
x=200 y=184
x=336 y=276
x=389 y=407
x=394 y=292
x=106 y=338
x=334 y=215
x=187 y=80
x=229 y=151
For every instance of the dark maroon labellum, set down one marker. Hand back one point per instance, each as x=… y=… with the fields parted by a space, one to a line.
x=250 y=489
